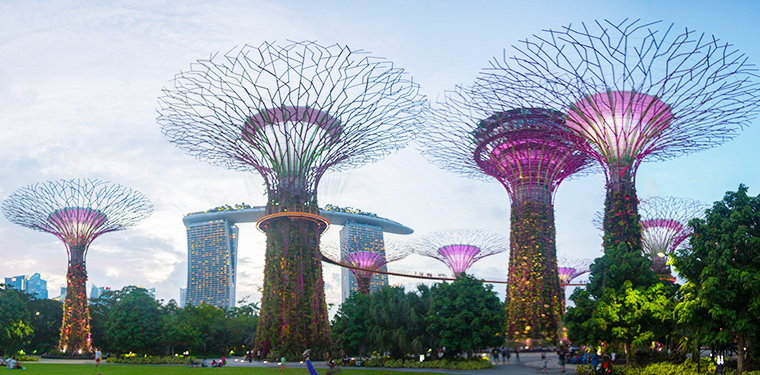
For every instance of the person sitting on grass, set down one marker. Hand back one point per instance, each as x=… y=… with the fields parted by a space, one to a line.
x=13 y=364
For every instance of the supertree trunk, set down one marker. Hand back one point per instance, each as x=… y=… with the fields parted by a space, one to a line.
x=362 y=283
x=533 y=300
x=75 y=329
x=621 y=217
x=294 y=313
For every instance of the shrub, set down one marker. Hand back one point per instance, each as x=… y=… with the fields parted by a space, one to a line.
x=460 y=364
x=150 y=360
x=660 y=368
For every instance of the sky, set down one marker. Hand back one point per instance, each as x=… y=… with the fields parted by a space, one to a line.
x=79 y=82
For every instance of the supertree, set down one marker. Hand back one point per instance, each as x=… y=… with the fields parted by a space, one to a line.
x=459 y=249
x=364 y=263
x=630 y=91
x=291 y=113
x=528 y=151
x=77 y=212
x=665 y=227
x=570 y=269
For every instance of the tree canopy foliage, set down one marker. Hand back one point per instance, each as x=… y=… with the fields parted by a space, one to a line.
x=721 y=300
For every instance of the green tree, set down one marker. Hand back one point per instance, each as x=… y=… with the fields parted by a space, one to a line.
x=350 y=325
x=47 y=315
x=135 y=323
x=722 y=267
x=398 y=320
x=15 y=320
x=179 y=328
x=635 y=316
x=583 y=326
x=242 y=322
x=465 y=315
x=618 y=265
x=210 y=321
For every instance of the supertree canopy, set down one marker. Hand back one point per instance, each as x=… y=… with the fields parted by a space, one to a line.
x=530 y=151
x=291 y=113
x=460 y=249
x=665 y=227
x=364 y=263
x=569 y=269
x=77 y=212
x=631 y=91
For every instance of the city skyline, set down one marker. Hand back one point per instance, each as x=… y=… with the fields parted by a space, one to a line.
x=79 y=88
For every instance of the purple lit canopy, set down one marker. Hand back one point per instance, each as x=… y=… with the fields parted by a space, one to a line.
x=664 y=223
x=631 y=89
x=528 y=150
x=460 y=249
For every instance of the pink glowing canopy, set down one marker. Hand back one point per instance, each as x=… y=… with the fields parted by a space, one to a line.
x=663 y=236
x=76 y=225
x=664 y=223
x=621 y=126
x=367 y=260
x=528 y=151
x=459 y=258
x=291 y=138
x=567 y=274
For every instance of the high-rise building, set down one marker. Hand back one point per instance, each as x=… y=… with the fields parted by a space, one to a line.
x=212 y=240
x=361 y=237
x=32 y=285
x=16 y=282
x=182 y=297
x=211 y=262
x=97 y=291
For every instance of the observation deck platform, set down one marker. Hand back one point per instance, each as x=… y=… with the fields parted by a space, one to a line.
x=332 y=216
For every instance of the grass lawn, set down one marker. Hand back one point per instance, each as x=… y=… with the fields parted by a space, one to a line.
x=118 y=369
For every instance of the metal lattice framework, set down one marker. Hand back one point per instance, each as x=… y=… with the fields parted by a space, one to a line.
x=291 y=113
x=364 y=263
x=528 y=150
x=630 y=91
x=76 y=211
x=571 y=268
x=665 y=227
x=460 y=249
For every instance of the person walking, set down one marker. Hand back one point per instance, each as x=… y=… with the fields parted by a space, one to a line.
x=282 y=364
x=594 y=361
x=561 y=354
x=98 y=356
x=544 y=361
x=517 y=354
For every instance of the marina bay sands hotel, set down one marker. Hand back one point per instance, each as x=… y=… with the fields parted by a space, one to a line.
x=212 y=248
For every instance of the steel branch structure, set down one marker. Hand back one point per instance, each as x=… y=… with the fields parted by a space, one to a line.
x=665 y=227
x=460 y=249
x=530 y=151
x=631 y=91
x=570 y=269
x=364 y=263
x=291 y=113
x=77 y=212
